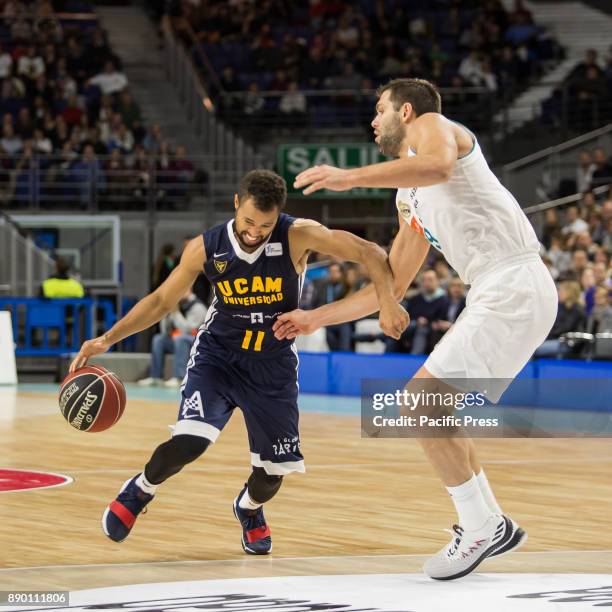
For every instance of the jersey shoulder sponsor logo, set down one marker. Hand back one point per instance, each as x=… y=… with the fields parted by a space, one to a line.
x=274 y=249
x=404 y=209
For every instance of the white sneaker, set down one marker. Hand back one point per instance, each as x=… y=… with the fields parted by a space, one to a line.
x=149 y=382
x=467 y=549
x=173 y=382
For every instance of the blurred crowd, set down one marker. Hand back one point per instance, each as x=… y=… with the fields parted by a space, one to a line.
x=585 y=94
x=71 y=130
x=305 y=45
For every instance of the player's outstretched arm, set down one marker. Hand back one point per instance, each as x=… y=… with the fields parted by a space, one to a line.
x=406 y=258
x=306 y=235
x=437 y=153
x=151 y=308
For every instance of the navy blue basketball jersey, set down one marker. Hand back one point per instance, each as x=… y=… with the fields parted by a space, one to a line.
x=250 y=289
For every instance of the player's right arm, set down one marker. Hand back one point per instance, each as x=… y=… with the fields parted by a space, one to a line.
x=405 y=259
x=151 y=308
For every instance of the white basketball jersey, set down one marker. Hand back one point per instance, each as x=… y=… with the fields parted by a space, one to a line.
x=472 y=218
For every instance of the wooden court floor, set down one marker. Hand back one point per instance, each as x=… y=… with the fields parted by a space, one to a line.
x=363 y=506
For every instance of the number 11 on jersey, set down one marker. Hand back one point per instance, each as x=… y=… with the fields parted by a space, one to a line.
x=246 y=341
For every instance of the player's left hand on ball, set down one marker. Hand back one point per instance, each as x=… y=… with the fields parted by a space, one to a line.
x=89 y=348
x=323 y=177
x=393 y=319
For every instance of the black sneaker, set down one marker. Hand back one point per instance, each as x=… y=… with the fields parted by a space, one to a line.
x=256 y=539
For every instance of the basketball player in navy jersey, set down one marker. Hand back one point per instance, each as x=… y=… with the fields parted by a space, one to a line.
x=256 y=264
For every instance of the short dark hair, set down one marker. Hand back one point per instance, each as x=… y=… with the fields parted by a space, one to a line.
x=62 y=266
x=267 y=189
x=423 y=95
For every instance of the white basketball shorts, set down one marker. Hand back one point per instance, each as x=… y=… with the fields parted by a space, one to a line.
x=509 y=313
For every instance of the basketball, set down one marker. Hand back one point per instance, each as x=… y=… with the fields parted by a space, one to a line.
x=92 y=399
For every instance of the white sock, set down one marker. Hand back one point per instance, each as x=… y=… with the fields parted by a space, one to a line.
x=470 y=504
x=145 y=485
x=247 y=503
x=487 y=492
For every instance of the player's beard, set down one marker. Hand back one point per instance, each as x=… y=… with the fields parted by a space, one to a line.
x=245 y=245
x=391 y=138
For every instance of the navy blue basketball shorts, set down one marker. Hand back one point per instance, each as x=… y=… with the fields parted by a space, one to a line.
x=219 y=380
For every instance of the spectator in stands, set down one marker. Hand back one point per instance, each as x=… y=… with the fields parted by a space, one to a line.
x=331 y=289
x=177 y=332
x=110 y=81
x=580 y=262
x=229 y=81
x=164 y=264
x=61 y=284
x=551 y=268
x=115 y=170
x=584 y=171
x=600 y=319
x=129 y=110
x=25 y=125
x=280 y=82
x=602 y=175
x=551 y=228
x=598 y=227
x=292 y=104
x=590 y=92
x=470 y=69
x=602 y=274
x=42 y=144
x=182 y=169
x=570 y=318
x=314 y=71
x=30 y=65
x=77 y=61
x=11 y=143
x=98 y=51
x=65 y=84
x=429 y=305
x=254 y=103
x=580 y=70
x=573 y=223
x=88 y=174
x=93 y=139
x=588 y=285
x=443 y=273
x=455 y=305
x=154 y=138
x=508 y=68
x=73 y=112
x=105 y=117
x=121 y=138
x=489 y=78
x=6 y=63
x=141 y=174
x=606 y=241
x=21 y=31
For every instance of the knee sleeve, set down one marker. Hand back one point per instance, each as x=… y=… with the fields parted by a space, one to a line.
x=170 y=457
x=263 y=487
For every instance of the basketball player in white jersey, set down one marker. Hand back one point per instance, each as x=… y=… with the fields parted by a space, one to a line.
x=448 y=197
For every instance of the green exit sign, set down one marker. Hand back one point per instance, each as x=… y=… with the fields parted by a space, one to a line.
x=294 y=158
